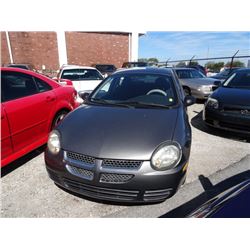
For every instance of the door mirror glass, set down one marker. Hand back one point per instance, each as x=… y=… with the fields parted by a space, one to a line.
x=189 y=100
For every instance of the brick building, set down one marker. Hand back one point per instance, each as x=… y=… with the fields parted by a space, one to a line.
x=49 y=50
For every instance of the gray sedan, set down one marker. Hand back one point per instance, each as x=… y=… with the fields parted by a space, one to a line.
x=130 y=140
x=195 y=83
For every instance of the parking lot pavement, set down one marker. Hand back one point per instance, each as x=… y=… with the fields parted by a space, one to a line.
x=27 y=191
x=192 y=195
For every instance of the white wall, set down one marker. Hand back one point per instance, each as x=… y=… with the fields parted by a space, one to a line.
x=134 y=46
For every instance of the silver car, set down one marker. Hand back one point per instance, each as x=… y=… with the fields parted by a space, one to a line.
x=195 y=83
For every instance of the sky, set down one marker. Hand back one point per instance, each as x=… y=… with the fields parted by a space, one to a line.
x=185 y=45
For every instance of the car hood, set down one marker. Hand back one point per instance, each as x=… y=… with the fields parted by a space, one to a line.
x=85 y=85
x=117 y=132
x=232 y=96
x=231 y=203
x=198 y=81
x=218 y=76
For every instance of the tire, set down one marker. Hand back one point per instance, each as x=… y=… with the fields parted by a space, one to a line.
x=58 y=118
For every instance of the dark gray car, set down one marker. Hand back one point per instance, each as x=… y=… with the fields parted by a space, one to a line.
x=130 y=141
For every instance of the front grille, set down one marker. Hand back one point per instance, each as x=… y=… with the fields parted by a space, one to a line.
x=124 y=164
x=80 y=172
x=235 y=126
x=115 y=178
x=235 y=110
x=156 y=195
x=101 y=193
x=82 y=158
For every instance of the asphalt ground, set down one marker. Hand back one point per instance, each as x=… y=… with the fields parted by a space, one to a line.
x=218 y=160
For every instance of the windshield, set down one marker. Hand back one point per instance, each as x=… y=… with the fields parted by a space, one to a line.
x=136 y=90
x=225 y=72
x=239 y=79
x=81 y=74
x=187 y=74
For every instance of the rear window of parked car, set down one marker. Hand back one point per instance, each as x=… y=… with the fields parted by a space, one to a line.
x=81 y=74
x=186 y=74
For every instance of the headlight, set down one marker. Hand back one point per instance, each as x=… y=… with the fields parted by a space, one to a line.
x=166 y=156
x=54 y=144
x=206 y=88
x=212 y=103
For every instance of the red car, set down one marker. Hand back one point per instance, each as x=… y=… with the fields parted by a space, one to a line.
x=31 y=106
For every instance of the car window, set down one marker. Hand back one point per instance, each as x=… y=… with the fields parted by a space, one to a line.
x=81 y=74
x=16 y=85
x=143 y=88
x=238 y=80
x=42 y=85
x=187 y=74
x=227 y=72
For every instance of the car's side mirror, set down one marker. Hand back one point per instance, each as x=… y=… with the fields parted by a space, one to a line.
x=66 y=82
x=84 y=95
x=189 y=100
x=217 y=84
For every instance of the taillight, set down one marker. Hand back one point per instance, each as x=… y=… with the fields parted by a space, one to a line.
x=75 y=94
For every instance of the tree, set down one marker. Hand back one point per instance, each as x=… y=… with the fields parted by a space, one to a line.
x=153 y=60
x=235 y=64
x=142 y=60
x=213 y=66
x=193 y=63
x=180 y=64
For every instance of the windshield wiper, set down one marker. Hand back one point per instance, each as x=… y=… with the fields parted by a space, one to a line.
x=142 y=104
x=102 y=101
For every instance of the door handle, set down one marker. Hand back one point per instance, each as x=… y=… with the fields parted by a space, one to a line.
x=50 y=99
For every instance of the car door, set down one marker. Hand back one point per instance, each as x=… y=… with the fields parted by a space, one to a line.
x=6 y=146
x=29 y=108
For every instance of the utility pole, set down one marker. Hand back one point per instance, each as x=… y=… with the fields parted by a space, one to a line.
x=191 y=60
x=232 y=60
x=167 y=61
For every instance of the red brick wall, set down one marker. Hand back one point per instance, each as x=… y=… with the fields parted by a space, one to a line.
x=5 y=57
x=84 y=48
x=35 y=48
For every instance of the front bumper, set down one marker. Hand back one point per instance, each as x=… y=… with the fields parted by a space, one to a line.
x=235 y=122
x=200 y=94
x=125 y=184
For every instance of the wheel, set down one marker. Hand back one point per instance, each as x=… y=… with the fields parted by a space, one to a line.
x=58 y=118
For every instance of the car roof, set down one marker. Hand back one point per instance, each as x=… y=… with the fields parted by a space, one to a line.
x=242 y=69
x=98 y=64
x=16 y=69
x=150 y=70
x=77 y=67
x=10 y=64
x=186 y=68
